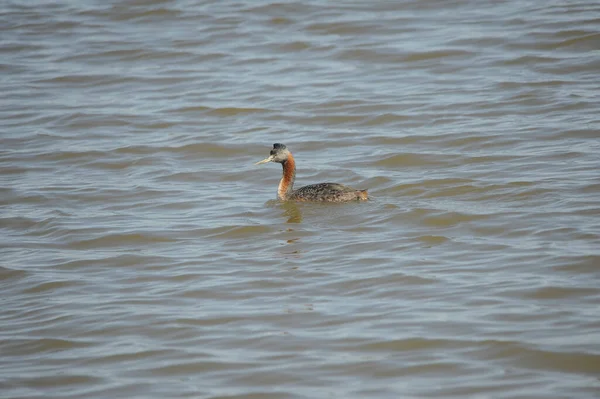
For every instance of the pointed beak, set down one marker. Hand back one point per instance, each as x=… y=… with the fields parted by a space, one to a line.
x=270 y=159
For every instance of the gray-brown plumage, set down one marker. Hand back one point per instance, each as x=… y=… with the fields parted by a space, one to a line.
x=326 y=192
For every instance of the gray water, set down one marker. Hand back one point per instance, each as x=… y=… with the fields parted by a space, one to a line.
x=143 y=255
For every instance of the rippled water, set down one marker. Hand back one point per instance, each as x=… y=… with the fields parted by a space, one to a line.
x=144 y=255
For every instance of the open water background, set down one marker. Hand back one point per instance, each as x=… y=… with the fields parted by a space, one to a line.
x=143 y=254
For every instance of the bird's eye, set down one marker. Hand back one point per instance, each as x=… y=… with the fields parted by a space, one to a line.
x=272 y=152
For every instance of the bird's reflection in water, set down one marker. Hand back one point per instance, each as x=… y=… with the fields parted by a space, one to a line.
x=290 y=209
x=292 y=212
x=294 y=215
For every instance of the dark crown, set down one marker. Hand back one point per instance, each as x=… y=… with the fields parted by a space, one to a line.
x=279 y=146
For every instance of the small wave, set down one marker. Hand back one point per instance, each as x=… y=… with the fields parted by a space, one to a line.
x=404 y=160
x=413 y=344
x=239 y=231
x=7 y=274
x=51 y=286
x=38 y=347
x=565 y=362
x=120 y=240
x=432 y=240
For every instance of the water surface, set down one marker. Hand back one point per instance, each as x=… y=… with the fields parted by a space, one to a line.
x=144 y=255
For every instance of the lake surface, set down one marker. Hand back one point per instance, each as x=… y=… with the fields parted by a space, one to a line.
x=143 y=255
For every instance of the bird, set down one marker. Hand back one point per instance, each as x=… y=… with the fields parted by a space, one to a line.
x=321 y=192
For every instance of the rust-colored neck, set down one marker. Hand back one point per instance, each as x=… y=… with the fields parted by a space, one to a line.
x=286 y=184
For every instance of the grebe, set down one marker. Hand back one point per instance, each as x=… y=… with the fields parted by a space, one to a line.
x=329 y=192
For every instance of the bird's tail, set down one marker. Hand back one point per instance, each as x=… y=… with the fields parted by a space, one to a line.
x=362 y=195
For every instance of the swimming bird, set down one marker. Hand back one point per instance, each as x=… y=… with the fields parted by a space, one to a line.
x=325 y=192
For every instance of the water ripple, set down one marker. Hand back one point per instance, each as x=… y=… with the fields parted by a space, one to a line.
x=144 y=254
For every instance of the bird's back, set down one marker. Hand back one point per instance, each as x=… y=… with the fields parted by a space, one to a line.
x=328 y=192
